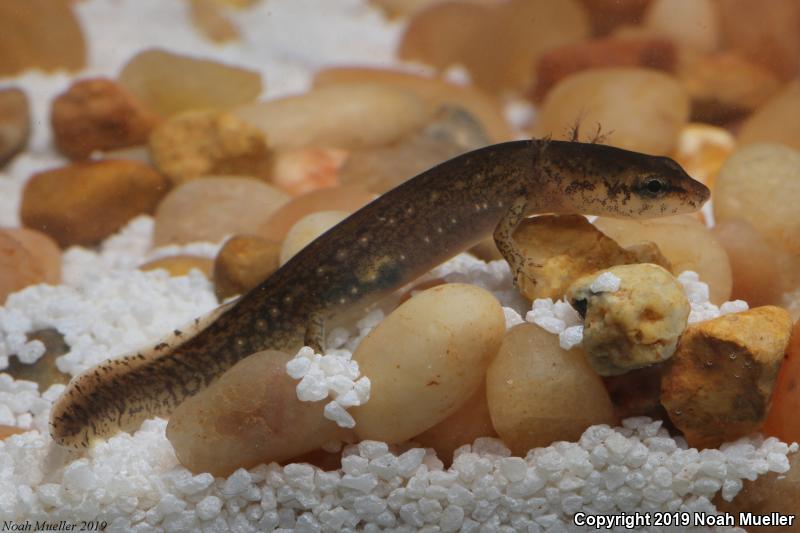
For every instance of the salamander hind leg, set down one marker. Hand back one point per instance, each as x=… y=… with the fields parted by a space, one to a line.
x=511 y=252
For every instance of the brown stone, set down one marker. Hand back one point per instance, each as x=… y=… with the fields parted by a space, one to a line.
x=15 y=123
x=83 y=203
x=725 y=86
x=42 y=34
x=7 y=431
x=44 y=371
x=498 y=42
x=180 y=265
x=636 y=393
x=717 y=386
x=198 y=143
x=242 y=263
x=606 y=15
x=559 y=249
x=648 y=52
x=98 y=114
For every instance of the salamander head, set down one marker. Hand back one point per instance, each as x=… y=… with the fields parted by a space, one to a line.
x=620 y=183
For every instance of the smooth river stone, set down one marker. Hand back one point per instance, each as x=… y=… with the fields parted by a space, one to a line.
x=210 y=208
x=15 y=123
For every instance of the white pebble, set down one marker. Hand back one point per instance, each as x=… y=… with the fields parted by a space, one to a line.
x=334 y=411
x=605 y=282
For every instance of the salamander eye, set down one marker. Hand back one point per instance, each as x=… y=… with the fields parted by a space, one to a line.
x=652 y=187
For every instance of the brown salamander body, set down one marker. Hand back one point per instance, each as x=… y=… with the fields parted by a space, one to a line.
x=384 y=245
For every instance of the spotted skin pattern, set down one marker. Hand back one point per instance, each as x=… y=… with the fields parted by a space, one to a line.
x=383 y=246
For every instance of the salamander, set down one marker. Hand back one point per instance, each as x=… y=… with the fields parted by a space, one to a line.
x=379 y=248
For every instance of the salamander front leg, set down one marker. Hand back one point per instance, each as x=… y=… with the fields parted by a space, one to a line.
x=315 y=333
x=503 y=238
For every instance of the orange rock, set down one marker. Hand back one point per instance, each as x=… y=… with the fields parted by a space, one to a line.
x=15 y=123
x=306 y=169
x=782 y=420
x=83 y=203
x=180 y=265
x=18 y=268
x=766 y=32
x=7 y=431
x=717 y=386
x=556 y=64
x=98 y=114
x=43 y=250
x=42 y=34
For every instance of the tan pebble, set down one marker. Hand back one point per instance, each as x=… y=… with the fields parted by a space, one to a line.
x=43 y=250
x=451 y=131
x=717 y=386
x=635 y=326
x=83 y=203
x=756 y=270
x=250 y=415
x=44 y=371
x=334 y=117
x=768 y=495
x=170 y=83
x=435 y=91
x=776 y=120
x=39 y=34
x=646 y=51
x=98 y=114
x=198 y=143
x=760 y=183
x=242 y=263
x=180 y=265
x=212 y=22
x=689 y=23
x=539 y=393
x=685 y=242
x=725 y=86
x=211 y=208
x=638 y=109
x=307 y=169
x=470 y=422
x=426 y=359
x=307 y=229
x=497 y=42
x=560 y=248
x=15 y=123
x=343 y=198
